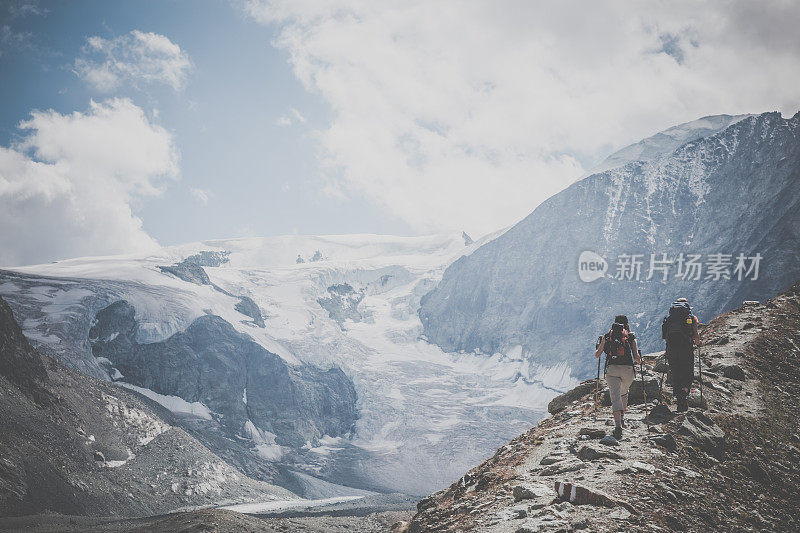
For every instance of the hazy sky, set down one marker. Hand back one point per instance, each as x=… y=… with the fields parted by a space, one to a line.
x=124 y=125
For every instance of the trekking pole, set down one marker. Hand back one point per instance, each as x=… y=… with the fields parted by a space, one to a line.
x=700 y=370
x=644 y=393
x=597 y=387
x=597 y=381
x=661 y=384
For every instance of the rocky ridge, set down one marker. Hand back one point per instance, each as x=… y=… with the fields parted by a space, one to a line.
x=75 y=444
x=732 y=461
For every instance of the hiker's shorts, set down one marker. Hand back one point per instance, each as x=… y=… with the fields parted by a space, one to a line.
x=619 y=379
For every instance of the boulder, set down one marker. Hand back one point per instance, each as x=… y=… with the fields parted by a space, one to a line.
x=530 y=491
x=660 y=414
x=729 y=371
x=593 y=433
x=703 y=433
x=695 y=400
x=639 y=389
x=559 y=403
x=590 y=453
x=609 y=440
x=666 y=441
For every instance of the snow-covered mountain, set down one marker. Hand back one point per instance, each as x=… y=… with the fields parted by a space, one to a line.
x=720 y=185
x=667 y=141
x=298 y=359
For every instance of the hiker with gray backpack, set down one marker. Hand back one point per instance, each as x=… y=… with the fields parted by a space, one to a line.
x=619 y=345
x=679 y=330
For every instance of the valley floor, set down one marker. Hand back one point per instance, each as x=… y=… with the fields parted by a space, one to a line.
x=219 y=520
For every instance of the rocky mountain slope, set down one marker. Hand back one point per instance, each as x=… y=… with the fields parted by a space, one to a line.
x=732 y=187
x=731 y=463
x=74 y=444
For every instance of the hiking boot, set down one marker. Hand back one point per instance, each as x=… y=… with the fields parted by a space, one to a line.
x=617 y=433
x=683 y=404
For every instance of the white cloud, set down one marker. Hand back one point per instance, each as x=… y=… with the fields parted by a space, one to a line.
x=466 y=115
x=68 y=186
x=23 y=9
x=201 y=195
x=139 y=58
x=294 y=116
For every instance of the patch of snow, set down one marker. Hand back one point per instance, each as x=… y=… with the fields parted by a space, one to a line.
x=175 y=404
x=264 y=441
x=118 y=463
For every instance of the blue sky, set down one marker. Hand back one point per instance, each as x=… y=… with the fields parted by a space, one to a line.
x=261 y=178
x=176 y=121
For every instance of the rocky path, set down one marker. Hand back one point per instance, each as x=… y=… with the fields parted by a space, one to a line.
x=730 y=463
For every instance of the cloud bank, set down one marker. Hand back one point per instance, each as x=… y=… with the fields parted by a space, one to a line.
x=68 y=186
x=466 y=115
x=138 y=58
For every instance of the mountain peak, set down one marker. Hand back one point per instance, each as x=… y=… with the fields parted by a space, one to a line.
x=667 y=141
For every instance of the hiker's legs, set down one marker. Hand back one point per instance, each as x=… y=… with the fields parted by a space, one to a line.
x=619 y=379
x=681 y=361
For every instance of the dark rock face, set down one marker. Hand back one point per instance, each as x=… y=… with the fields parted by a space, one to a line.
x=191 y=268
x=63 y=436
x=342 y=304
x=191 y=272
x=737 y=191
x=19 y=362
x=248 y=307
x=208 y=258
x=214 y=364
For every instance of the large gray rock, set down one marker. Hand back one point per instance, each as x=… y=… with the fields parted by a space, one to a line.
x=214 y=364
x=737 y=190
x=703 y=433
x=560 y=402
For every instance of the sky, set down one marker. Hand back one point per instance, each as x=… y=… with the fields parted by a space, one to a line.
x=125 y=126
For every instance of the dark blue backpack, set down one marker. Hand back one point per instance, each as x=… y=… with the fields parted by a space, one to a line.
x=679 y=321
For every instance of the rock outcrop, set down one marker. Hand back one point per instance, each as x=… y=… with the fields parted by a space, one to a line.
x=75 y=445
x=236 y=378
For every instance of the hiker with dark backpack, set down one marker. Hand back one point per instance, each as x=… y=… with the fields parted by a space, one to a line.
x=619 y=345
x=679 y=330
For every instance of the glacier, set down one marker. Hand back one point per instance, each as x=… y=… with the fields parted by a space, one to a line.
x=424 y=414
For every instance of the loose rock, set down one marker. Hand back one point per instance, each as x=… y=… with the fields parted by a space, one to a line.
x=589 y=453
x=703 y=433
x=608 y=440
x=530 y=491
x=593 y=433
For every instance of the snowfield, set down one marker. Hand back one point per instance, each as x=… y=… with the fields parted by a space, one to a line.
x=425 y=416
